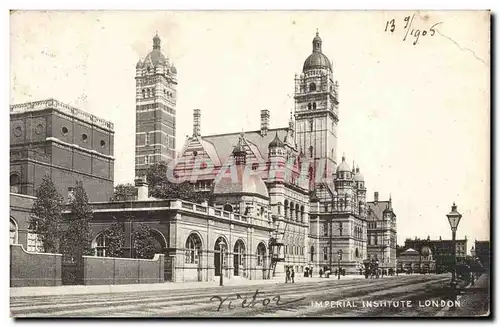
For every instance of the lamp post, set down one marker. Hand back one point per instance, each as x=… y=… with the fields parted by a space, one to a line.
x=340 y=258
x=221 y=248
x=454 y=219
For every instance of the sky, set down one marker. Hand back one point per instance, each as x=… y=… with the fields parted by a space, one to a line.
x=414 y=117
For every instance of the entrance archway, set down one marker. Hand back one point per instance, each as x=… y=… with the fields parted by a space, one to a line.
x=217 y=255
x=239 y=253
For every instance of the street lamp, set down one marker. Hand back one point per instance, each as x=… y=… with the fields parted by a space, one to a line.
x=454 y=219
x=221 y=248
x=339 y=252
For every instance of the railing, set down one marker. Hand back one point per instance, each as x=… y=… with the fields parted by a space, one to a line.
x=54 y=104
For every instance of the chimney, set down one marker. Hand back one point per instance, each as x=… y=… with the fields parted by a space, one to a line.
x=375 y=197
x=264 y=121
x=196 y=122
x=142 y=188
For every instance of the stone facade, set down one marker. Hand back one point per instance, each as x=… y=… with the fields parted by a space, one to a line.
x=50 y=137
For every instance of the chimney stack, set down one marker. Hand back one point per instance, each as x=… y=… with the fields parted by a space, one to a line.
x=264 y=121
x=142 y=188
x=375 y=197
x=196 y=122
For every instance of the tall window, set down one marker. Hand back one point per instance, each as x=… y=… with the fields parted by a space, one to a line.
x=314 y=105
x=376 y=240
x=34 y=241
x=13 y=232
x=312 y=87
x=261 y=254
x=340 y=229
x=101 y=243
x=193 y=249
x=146 y=139
x=325 y=229
x=325 y=253
x=311 y=151
x=311 y=125
x=311 y=253
x=146 y=159
x=14 y=183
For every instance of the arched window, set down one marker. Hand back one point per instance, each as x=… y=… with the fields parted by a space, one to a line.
x=193 y=249
x=13 y=232
x=314 y=105
x=311 y=253
x=309 y=106
x=325 y=253
x=143 y=93
x=302 y=214
x=15 y=180
x=325 y=229
x=101 y=243
x=340 y=229
x=261 y=254
x=286 y=209
x=312 y=87
x=356 y=253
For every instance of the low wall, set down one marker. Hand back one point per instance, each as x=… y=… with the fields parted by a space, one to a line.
x=34 y=269
x=111 y=271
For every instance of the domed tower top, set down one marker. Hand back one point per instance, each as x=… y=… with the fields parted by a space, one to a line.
x=317 y=59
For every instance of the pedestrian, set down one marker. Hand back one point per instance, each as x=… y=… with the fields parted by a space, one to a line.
x=287 y=278
x=293 y=275
x=320 y=272
x=311 y=272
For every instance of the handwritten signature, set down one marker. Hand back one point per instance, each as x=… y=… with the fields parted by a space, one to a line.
x=244 y=301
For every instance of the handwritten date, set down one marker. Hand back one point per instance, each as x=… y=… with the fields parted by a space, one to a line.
x=245 y=302
x=392 y=25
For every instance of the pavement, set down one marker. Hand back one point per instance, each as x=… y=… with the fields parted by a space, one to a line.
x=110 y=289
x=352 y=296
x=474 y=300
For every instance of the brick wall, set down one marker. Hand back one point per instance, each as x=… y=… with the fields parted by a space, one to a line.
x=110 y=271
x=34 y=269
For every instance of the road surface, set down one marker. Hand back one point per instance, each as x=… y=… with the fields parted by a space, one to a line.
x=415 y=295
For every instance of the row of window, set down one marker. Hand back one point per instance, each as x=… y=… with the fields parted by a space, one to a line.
x=294 y=250
x=150 y=92
x=84 y=136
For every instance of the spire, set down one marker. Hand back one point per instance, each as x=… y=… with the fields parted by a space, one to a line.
x=156 y=42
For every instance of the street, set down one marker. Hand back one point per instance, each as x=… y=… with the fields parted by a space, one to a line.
x=396 y=296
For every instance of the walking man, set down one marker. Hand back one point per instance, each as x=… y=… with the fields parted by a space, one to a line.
x=293 y=275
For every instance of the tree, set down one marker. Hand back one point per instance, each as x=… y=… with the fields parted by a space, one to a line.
x=47 y=210
x=124 y=192
x=115 y=238
x=77 y=235
x=144 y=242
x=160 y=187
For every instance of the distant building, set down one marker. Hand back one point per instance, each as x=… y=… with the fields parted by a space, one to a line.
x=482 y=251
x=52 y=138
x=414 y=261
x=442 y=250
x=382 y=235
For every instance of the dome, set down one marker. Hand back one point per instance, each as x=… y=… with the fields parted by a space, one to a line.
x=426 y=251
x=344 y=166
x=276 y=142
x=359 y=177
x=244 y=183
x=155 y=57
x=317 y=60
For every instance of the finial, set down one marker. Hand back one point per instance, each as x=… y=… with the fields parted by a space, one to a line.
x=343 y=156
x=317 y=33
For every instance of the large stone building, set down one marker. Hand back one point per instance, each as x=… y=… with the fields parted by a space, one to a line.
x=156 y=95
x=382 y=233
x=52 y=138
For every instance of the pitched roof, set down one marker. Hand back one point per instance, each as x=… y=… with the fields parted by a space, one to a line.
x=376 y=211
x=224 y=143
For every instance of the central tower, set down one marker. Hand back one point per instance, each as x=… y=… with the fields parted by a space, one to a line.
x=156 y=96
x=316 y=114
